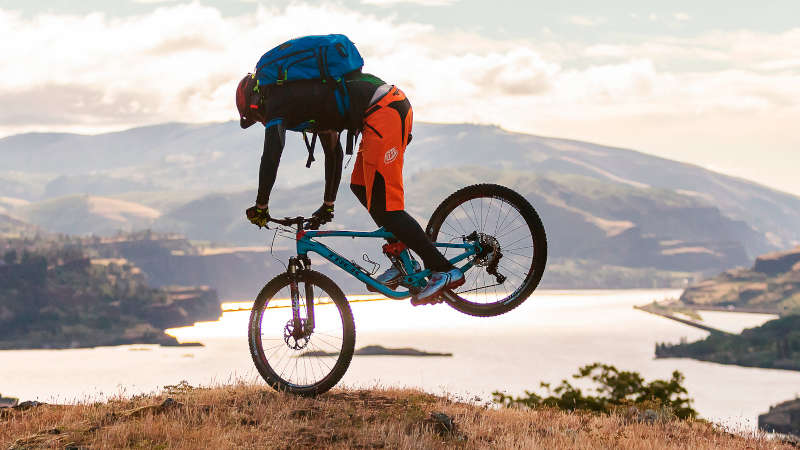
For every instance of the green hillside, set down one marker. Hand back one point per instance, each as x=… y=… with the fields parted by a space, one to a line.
x=774 y=345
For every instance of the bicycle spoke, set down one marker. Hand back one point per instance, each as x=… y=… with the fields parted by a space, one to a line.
x=304 y=360
x=509 y=252
x=501 y=220
x=466 y=214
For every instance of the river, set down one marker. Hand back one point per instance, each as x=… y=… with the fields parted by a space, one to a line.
x=546 y=339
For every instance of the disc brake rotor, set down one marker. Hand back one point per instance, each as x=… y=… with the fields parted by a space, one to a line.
x=295 y=341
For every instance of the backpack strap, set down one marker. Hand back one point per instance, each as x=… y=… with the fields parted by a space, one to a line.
x=310 y=147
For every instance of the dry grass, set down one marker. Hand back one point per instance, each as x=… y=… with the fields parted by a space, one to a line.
x=246 y=416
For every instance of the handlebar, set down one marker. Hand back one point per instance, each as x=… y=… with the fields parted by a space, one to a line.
x=300 y=222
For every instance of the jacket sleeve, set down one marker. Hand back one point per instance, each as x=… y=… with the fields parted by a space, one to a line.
x=274 y=139
x=333 y=164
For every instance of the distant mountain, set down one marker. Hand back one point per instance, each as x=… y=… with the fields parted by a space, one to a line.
x=585 y=218
x=10 y=226
x=615 y=206
x=84 y=214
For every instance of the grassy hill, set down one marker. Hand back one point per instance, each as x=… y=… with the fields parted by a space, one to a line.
x=84 y=214
x=247 y=416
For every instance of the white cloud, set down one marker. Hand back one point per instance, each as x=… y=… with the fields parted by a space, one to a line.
x=726 y=91
x=182 y=63
x=415 y=2
x=586 y=21
x=681 y=16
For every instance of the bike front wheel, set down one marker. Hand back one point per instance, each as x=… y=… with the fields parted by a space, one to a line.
x=306 y=355
x=513 y=242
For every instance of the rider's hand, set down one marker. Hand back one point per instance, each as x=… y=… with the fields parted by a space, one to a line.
x=324 y=214
x=258 y=216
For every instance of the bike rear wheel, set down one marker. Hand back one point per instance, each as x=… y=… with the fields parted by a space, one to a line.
x=310 y=361
x=514 y=241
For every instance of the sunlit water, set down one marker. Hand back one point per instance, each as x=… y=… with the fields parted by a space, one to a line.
x=546 y=339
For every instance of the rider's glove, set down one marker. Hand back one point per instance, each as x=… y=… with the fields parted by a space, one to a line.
x=258 y=216
x=324 y=214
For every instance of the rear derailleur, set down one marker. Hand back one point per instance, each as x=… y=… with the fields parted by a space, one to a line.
x=489 y=256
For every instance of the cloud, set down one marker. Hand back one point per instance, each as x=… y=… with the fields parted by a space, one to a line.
x=677 y=96
x=681 y=16
x=182 y=62
x=55 y=104
x=415 y=2
x=586 y=21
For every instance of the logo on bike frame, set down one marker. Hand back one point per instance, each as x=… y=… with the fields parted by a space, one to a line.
x=390 y=155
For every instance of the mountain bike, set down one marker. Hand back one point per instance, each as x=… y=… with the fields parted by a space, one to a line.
x=301 y=330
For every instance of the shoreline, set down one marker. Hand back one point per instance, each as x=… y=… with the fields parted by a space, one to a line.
x=167 y=341
x=689 y=322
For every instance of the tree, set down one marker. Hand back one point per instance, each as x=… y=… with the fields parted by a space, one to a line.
x=615 y=388
x=10 y=257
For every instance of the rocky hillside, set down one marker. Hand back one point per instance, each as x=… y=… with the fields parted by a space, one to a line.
x=247 y=416
x=782 y=418
x=771 y=285
x=55 y=296
x=168 y=259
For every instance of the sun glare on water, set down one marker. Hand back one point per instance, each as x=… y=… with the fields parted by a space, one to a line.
x=377 y=313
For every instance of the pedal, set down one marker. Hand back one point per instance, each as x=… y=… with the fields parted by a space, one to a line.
x=433 y=301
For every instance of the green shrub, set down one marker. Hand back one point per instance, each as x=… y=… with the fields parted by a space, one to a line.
x=614 y=389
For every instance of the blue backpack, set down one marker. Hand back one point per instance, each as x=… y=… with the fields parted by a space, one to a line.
x=325 y=58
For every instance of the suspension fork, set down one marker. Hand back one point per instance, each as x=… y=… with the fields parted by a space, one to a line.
x=296 y=265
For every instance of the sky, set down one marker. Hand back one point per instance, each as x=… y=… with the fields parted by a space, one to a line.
x=714 y=83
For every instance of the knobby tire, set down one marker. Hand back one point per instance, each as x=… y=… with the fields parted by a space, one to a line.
x=454 y=205
x=260 y=307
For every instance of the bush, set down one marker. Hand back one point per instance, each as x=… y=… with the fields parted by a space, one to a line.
x=615 y=389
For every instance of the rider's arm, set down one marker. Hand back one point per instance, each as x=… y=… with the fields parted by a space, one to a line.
x=333 y=164
x=274 y=138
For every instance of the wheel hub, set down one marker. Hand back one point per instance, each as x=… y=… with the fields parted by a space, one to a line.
x=296 y=339
x=489 y=256
x=490 y=250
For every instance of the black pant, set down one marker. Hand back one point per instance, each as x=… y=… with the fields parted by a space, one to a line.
x=402 y=225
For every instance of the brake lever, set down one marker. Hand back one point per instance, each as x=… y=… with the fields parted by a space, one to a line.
x=313 y=224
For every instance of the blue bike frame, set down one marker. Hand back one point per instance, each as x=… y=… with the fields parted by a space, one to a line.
x=306 y=244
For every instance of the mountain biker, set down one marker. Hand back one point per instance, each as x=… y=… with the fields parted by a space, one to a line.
x=384 y=117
